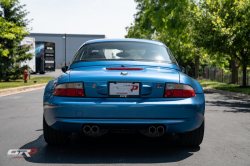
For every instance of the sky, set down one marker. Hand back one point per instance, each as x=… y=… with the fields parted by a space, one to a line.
x=105 y=17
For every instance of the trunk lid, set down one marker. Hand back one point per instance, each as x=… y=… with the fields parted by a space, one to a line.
x=151 y=79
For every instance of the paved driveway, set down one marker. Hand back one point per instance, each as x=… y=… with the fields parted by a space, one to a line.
x=226 y=142
x=55 y=73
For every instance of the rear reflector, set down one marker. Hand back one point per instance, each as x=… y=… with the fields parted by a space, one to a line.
x=178 y=91
x=69 y=89
x=124 y=68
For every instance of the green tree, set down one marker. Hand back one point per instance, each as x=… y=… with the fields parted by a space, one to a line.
x=170 y=22
x=224 y=29
x=13 y=30
x=182 y=51
x=136 y=31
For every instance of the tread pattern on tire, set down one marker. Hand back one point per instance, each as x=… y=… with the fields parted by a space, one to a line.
x=55 y=137
x=192 y=138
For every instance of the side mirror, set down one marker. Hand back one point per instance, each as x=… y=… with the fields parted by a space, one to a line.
x=64 y=68
x=182 y=69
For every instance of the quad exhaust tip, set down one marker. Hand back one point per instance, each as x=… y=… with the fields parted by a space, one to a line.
x=90 y=129
x=86 y=129
x=160 y=130
x=94 y=129
x=154 y=130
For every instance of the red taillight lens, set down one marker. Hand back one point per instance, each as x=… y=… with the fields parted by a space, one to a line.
x=69 y=89
x=80 y=92
x=124 y=68
x=59 y=92
x=178 y=90
x=71 y=92
x=188 y=93
x=177 y=93
x=168 y=93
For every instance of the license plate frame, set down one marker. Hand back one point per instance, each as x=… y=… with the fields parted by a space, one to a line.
x=130 y=83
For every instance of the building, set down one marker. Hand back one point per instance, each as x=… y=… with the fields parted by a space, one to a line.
x=73 y=42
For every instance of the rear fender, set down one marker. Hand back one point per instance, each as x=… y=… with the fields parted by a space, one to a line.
x=184 y=79
x=58 y=80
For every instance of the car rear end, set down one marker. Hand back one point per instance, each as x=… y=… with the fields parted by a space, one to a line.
x=93 y=98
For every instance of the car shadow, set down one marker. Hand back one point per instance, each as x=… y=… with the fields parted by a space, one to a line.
x=233 y=104
x=110 y=148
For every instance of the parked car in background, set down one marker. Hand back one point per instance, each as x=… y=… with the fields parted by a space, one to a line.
x=124 y=85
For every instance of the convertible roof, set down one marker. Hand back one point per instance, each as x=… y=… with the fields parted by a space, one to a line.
x=127 y=39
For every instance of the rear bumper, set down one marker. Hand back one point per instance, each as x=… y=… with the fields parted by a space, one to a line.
x=70 y=114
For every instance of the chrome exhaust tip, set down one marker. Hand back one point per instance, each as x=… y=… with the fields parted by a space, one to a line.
x=160 y=130
x=86 y=129
x=95 y=129
x=152 y=130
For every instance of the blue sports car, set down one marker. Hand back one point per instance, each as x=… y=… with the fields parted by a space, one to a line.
x=124 y=85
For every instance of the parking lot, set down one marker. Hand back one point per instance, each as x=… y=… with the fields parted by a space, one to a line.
x=226 y=141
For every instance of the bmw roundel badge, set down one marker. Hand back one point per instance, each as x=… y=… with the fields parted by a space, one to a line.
x=124 y=73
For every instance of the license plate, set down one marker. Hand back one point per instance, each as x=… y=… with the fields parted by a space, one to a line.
x=124 y=89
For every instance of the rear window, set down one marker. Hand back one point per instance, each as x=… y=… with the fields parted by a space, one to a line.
x=105 y=51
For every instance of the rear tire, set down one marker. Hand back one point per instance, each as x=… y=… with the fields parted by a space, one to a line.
x=55 y=137
x=192 y=138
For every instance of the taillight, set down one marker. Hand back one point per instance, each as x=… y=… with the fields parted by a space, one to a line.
x=178 y=90
x=69 y=89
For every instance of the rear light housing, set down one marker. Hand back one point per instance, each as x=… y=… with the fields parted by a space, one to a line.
x=69 y=90
x=178 y=91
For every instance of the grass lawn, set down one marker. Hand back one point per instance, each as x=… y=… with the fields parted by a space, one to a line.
x=20 y=82
x=224 y=86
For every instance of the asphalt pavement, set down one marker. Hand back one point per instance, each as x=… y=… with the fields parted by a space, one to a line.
x=55 y=73
x=226 y=141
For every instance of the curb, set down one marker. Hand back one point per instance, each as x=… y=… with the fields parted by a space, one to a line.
x=227 y=93
x=11 y=91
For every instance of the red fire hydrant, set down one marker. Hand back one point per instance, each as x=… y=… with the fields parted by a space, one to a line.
x=25 y=75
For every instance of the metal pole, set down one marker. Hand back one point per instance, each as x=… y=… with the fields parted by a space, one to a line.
x=65 y=49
